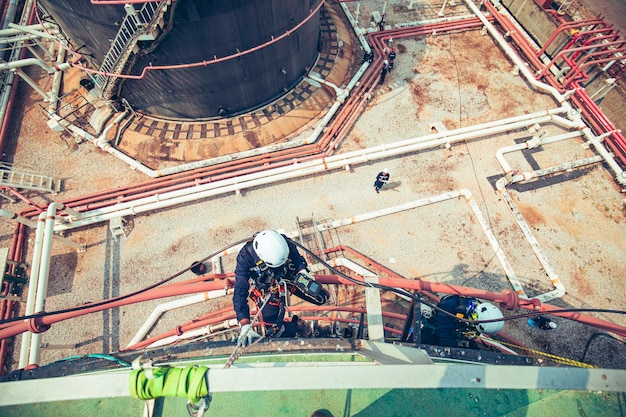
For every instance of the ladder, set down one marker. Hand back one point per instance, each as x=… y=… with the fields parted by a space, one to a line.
x=26 y=180
x=317 y=241
x=308 y=238
x=137 y=25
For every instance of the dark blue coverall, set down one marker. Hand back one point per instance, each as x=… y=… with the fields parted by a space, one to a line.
x=247 y=269
x=448 y=331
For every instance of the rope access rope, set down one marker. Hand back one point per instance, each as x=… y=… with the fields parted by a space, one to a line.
x=236 y=355
x=539 y=354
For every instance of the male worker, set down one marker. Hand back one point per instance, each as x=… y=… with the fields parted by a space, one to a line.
x=381 y=179
x=392 y=57
x=447 y=330
x=265 y=266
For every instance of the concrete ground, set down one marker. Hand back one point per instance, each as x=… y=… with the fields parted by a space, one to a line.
x=441 y=81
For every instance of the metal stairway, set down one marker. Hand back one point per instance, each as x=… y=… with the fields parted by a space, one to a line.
x=27 y=180
x=138 y=25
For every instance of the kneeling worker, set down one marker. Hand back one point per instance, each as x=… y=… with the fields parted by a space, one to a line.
x=447 y=330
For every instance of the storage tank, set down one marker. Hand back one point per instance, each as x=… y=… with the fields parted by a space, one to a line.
x=274 y=43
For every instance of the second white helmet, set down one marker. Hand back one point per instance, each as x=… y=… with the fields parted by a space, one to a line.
x=487 y=311
x=271 y=247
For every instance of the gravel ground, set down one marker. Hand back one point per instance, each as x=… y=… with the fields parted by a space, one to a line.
x=459 y=80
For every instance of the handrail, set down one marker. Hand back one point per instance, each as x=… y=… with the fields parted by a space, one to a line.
x=136 y=23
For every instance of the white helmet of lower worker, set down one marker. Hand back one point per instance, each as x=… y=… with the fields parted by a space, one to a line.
x=271 y=247
x=488 y=311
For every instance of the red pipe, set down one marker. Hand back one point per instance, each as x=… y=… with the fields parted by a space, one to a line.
x=21 y=196
x=221 y=315
x=257 y=163
x=569 y=25
x=227 y=313
x=579 y=72
x=7 y=306
x=572 y=50
x=598 y=50
x=41 y=324
x=556 y=15
x=600 y=122
x=507 y=298
x=339 y=125
x=595 y=39
x=590 y=110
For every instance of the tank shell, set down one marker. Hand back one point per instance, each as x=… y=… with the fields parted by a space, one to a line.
x=200 y=31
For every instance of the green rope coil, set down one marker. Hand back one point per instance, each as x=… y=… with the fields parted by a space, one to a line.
x=190 y=382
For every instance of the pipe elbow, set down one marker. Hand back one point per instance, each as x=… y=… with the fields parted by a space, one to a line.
x=501 y=183
x=466 y=193
x=534 y=142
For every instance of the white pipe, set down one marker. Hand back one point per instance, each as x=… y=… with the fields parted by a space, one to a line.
x=339 y=92
x=134 y=164
x=355 y=26
x=32 y=29
x=508 y=269
x=529 y=144
x=171 y=305
x=10 y=14
x=56 y=83
x=32 y=288
x=443 y=6
x=522 y=66
x=10 y=215
x=495 y=245
x=6 y=93
x=33 y=61
x=31 y=83
x=295 y=170
x=513 y=280
x=101 y=141
x=42 y=281
x=201 y=331
x=431 y=21
x=21 y=38
x=559 y=289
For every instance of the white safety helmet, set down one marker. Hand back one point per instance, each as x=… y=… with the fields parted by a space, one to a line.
x=271 y=247
x=488 y=311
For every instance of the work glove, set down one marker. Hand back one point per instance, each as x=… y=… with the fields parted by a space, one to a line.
x=247 y=335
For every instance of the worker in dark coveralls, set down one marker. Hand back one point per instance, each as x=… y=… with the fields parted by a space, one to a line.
x=445 y=330
x=381 y=179
x=269 y=258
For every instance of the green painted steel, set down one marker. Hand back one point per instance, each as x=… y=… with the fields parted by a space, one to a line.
x=358 y=403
